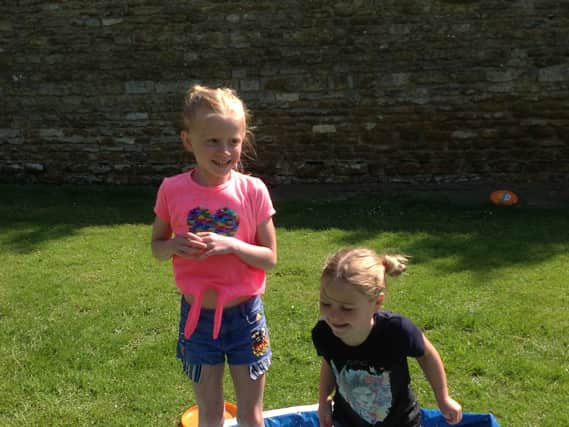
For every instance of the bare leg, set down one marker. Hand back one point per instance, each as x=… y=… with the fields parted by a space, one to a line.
x=209 y=396
x=249 y=394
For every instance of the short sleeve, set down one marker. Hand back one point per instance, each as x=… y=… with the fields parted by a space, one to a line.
x=317 y=332
x=263 y=203
x=412 y=338
x=161 y=206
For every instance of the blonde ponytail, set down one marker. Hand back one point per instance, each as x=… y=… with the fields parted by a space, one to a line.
x=362 y=268
x=395 y=265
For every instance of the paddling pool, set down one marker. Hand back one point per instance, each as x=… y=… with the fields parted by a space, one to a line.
x=307 y=416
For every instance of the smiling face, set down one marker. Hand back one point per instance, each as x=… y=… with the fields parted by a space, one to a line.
x=348 y=311
x=216 y=141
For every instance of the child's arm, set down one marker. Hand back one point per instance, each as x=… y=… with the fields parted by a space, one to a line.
x=433 y=368
x=262 y=255
x=164 y=245
x=327 y=385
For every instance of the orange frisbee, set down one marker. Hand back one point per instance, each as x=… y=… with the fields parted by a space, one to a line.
x=190 y=418
x=504 y=197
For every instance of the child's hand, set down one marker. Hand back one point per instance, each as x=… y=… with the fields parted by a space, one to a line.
x=216 y=244
x=188 y=245
x=451 y=410
x=325 y=413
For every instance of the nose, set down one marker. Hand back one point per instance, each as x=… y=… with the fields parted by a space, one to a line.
x=225 y=147
x=334 y=315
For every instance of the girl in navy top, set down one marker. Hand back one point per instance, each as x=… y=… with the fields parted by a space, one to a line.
x=364 y=349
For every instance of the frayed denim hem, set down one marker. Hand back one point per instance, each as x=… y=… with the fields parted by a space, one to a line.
x=194 y=372
x=257 y=369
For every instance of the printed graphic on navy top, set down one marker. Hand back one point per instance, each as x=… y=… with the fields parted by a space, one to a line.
x=368 y=391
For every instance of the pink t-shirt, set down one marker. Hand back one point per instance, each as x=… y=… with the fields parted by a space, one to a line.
x=234 y=208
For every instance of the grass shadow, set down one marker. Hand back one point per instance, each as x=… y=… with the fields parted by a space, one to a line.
x=33 y=214
x=478 y=238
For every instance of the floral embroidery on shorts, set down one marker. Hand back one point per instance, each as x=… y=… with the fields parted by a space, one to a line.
x=259 y=342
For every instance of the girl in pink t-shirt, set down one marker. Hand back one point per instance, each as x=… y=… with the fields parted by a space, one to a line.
x=215 y=223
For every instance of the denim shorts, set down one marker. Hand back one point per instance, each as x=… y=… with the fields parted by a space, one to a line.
x=243 y=339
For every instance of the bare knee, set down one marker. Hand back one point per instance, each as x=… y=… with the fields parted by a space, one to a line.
x=209 y=395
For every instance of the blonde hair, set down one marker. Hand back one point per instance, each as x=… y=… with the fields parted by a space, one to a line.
x=363 y=268
x=221 y=101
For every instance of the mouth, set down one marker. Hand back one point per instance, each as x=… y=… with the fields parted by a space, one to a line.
x=221 y=164
x=339 y=326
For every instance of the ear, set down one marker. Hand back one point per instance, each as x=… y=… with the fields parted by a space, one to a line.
x=186 y=141
x=379 y=300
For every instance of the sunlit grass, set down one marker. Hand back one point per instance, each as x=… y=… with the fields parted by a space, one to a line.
x=88 y=318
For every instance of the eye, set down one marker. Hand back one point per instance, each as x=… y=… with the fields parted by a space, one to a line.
x=212 y=141
x=324 y=304
x=235 y=141
x=347 y=309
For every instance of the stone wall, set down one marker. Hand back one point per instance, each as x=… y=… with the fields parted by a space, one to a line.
x=341 y=91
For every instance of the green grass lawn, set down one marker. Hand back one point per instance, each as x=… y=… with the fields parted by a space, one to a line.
x=88 y=320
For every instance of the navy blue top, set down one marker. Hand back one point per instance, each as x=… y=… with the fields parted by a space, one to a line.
x=372 y=379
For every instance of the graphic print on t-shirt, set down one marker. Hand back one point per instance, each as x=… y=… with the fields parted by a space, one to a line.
x=223 y=221
x=367 y=390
